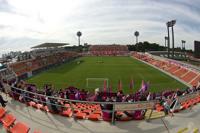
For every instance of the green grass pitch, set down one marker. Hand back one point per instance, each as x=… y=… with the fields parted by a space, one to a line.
x=76 y=72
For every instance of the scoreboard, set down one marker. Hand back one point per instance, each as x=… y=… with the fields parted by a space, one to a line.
x=197 y=49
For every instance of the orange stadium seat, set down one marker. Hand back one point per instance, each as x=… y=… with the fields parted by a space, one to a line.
x=8 y=120
x=2 y=112
x=94 y=117
x=159 y=107
x=38 y=106
x=76 y=110
x=195 y=81
x=31 y=103
x=87 y=111
x=67 y=113
x=45 y=108
x=80 y=115
x=97 y=112
x=189 y=76
x=20 y=127
x=185 y=105
x=67 y=105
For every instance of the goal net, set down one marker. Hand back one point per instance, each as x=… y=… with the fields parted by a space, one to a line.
x=97 y=83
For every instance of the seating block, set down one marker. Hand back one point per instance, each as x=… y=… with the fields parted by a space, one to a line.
x=94 y=117
x=2 y=112
x=80 y=115
x=20 y=127
x=8 y=120
x=67 y=113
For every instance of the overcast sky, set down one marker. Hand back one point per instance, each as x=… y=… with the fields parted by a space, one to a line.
x=26 y=23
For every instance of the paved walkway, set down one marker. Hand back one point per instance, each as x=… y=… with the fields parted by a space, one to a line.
x=50 y=123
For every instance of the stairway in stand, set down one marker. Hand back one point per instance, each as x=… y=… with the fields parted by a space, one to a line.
x=155 y=114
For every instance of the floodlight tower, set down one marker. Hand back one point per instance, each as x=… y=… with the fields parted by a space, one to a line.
x=171 y=24
x=136 y=35
x=79 y=35
x=166 y=39
x=183 y=44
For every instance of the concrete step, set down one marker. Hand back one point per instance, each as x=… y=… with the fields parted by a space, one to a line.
x=155 y=114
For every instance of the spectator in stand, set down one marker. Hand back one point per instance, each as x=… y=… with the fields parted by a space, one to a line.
x=77 y=95
x=1 y=85
x=66 y=94
x=167 y=109
x=113 y=99
x=187 y=91
x=61 y=93
x=2 y=101
x=119 y=97
x=178 y=92
x=143 y=97
x=98 y=97
x=192 y=89
x=49 y=92
x=149 y=96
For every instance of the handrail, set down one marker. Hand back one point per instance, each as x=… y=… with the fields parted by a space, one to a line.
x=80 y=101
x=117 y=106
x=121 y=105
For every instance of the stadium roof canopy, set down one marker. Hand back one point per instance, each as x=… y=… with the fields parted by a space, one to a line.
x=50 y=45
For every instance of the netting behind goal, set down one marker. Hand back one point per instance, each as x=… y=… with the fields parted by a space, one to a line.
x=97 y=83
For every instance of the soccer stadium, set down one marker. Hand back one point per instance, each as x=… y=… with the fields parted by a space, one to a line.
x=101 y=82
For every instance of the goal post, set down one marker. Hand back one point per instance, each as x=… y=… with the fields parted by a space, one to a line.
x=97 y=83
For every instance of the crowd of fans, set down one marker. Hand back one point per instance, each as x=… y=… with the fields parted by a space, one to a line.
x=30 y=93
x=166 y=98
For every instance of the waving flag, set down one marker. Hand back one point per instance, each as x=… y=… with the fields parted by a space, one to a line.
x=105 y=86
x=131 y=85
x=143 y=86
x=110 y=88
x=119 y=85
x=148 y=85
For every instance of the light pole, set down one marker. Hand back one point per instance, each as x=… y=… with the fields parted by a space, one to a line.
x=168 y=43
x=79 y=35
x=171 y=24
x=136 y=35
x=183 y=44
x=183 y=47
x=166 y=39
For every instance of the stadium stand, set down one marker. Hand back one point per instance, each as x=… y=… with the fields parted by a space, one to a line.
x=68 y=102
x=22 y=68
x=184 y=73
x=7 y=74
x=108 y=50
x=43 y=100
x=8 y=121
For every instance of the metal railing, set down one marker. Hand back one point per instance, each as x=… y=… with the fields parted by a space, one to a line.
x=116 y=106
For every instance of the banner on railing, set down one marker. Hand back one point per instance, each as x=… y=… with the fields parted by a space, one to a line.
x=135 y=106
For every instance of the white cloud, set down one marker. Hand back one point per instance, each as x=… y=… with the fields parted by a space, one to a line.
x=27 y=22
